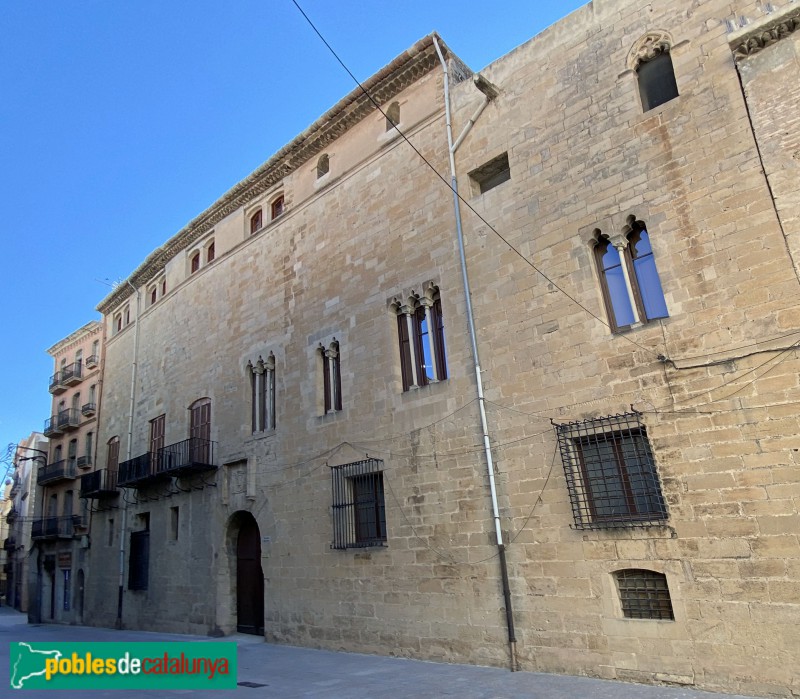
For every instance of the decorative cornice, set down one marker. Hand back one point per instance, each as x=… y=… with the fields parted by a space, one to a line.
x=93 y=326
x=764 y=32
x=402 y=72
x=647 y=47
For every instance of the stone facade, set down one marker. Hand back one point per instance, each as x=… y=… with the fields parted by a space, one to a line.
x=268 y=317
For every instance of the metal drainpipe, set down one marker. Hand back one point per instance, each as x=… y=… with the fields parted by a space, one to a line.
x=501 y=549
x=124 y=523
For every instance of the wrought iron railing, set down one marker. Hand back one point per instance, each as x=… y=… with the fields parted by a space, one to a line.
x=56 y=527
x=69 y=419
x=183 y=458
x=89 y=409
x=99 y=484
x=58 y=470
x=72 y=374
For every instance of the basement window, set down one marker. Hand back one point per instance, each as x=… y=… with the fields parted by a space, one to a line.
x=491 y=174
x=644 y=594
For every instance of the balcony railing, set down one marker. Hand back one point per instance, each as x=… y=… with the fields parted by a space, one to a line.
x=51 y=428
x=84 y=461
x=184 y=458
x=56 y=384
x=72 y=374
x=140 y=471
x=99 y=484
x=189 y=456
x=56 y=527
x=92 y=361
x=88 y=409
x=57 y=471
x=69 y=419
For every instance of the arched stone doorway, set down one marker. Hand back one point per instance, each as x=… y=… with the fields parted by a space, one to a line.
x=249 y=575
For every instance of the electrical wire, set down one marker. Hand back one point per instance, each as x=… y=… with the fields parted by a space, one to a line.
x=457 y=194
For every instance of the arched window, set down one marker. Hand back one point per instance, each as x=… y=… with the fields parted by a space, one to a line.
x=644 y=594
x=629 y=278
x=153 y=295
x=650 y=58
x=210 y=252
x=112 y=454
x=195 y=262
x=392 y=115
x=262 y=384
x=256 y=221
x=323 y=165
x=277 y=207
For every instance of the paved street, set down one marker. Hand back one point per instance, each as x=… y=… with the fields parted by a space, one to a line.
x=286 y=672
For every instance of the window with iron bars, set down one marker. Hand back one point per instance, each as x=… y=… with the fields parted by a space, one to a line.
x=644 y=594
x=359 y=510
x=611 y=474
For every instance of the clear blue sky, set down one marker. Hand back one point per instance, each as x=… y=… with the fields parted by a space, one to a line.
x=120 y=122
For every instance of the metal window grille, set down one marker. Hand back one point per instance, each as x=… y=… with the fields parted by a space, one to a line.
x=644 y=594
x=611 y=474
x=359 y=510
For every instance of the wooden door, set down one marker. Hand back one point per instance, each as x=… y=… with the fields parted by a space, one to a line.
x=249 y=580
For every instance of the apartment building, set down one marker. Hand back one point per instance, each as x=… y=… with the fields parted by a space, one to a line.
x=22 y=498
x=586 y=462
x=61 y=525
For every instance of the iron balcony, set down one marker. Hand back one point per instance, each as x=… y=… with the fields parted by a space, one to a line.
x=99 y=484
x=57 y=471
x=56 y=527
x=69 y=419
x=193 y=455
x=92 y=361
x=88 y=409
x=51 y=428
x=72 y=374
x=56 y=384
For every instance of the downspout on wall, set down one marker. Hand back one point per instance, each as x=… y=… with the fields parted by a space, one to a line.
x=490 y=92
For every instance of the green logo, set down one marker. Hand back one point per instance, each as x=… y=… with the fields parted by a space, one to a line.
x=168 y=665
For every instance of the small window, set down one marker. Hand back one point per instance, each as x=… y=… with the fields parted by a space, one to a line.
x=331 y=378
x=164 y=288
x=195 y=262
x=644 y=594
x=420 y=332
x=262 y=384
x=359 y=510
x=174 y=521
x=256 y=222
x=210 y=252
x=153 y=295
x=127 y=315
x=323 y=166
x=491 y=174
x=392 y=115
x=657 y=81
x=611 y=473
x=117 y=323
x=277 y=207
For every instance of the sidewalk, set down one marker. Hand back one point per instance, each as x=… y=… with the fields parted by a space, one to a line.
x=287 y=672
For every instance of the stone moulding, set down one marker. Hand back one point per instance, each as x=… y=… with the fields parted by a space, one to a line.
x=402 y=72
x=648 y=47
x=755 y=37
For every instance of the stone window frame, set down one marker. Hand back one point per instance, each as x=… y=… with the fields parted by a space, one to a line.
x=642 y=306
x=330 y=373
x=392 y=116
x=420 y=328
x=649 y=47
x=262 y=394
x=255 y=219
x=490 y=174
x=323 y=165
x=277 y=206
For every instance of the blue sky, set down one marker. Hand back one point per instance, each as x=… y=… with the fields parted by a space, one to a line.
x=120 y=122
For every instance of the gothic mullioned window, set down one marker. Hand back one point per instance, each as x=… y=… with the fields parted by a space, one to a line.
x=420 y=333
x=262 y=386
x=629 y=278
x=330 y=361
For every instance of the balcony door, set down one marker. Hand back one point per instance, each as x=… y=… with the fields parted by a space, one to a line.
x=200 y=431
x=157 y=428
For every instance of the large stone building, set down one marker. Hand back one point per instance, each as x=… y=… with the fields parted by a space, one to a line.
x=61 y=527
x=310 y=448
